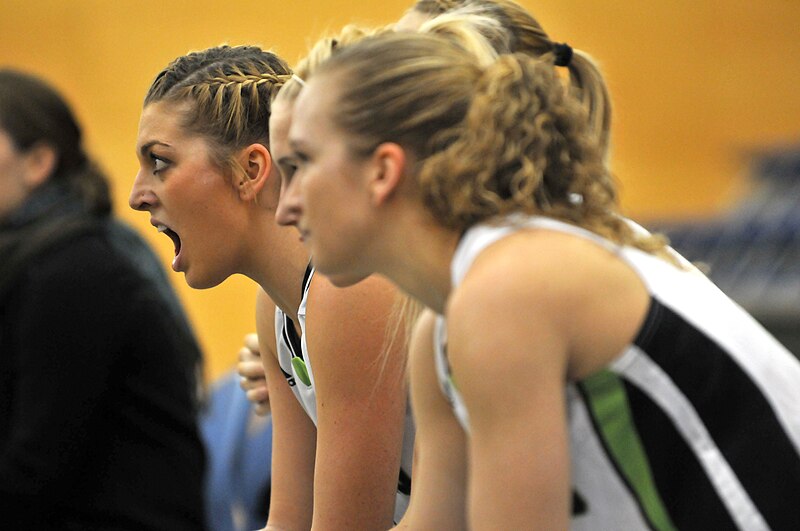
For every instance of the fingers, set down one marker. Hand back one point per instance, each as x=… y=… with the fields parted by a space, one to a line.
x=251 y=343
x=259 y=397
x=250 y=370
x=253 y=380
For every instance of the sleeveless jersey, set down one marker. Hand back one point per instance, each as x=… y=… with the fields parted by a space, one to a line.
x=296 y=367
x=657 y=438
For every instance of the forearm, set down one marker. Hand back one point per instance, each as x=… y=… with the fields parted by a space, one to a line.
x=293 y=455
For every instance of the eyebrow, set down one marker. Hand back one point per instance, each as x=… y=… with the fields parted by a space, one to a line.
x=146 y=146
x=295 y=144
x=286 y=159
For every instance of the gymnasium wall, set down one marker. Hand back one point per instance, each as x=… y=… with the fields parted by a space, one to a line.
x=698 y=86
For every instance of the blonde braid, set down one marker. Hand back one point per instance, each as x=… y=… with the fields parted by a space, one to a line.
x=231 y=98
x=224 y=94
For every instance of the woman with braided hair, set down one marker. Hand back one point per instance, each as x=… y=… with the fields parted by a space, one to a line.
x=571 y=370
x=210 y=183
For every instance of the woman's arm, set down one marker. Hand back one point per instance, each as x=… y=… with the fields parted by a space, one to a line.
x=438 y=491
x=536 y=310
x=508 y=351
x=293 y=435
x=361 y=404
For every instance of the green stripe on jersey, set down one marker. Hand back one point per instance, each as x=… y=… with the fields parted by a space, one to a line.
x=609 y=406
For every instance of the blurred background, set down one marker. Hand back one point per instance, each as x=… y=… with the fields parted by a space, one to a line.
x=706 y=131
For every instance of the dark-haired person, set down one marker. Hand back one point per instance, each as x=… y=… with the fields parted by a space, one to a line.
x=98 y=365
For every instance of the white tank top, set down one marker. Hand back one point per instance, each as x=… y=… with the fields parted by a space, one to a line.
x=657 y=438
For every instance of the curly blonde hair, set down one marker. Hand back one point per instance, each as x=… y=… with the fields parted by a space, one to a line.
x=488 y=140
x=527 y=36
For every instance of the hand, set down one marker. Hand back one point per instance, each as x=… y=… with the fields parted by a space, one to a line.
x=253 y=381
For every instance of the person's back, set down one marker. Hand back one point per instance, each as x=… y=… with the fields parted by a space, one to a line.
x=98 y=426
x=98 y=421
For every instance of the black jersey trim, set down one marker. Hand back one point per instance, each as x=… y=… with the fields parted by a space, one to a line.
x=291 y=338
x=685 y=488
x=306 y=280
x=729 y=404
x=404 y=483
x=289 y=332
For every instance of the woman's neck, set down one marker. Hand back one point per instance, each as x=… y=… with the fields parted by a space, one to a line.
x=279 y=261
x=418 y=261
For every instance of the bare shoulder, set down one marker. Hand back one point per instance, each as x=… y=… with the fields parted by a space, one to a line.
x=530 y=268
x=336 y=311
x=423 y=330
x=546 y=282
x=420 y=350
x=421 y=362
x=346 y=331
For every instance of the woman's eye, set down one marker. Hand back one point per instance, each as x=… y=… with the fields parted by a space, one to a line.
x=159 y=164
x=288 y=171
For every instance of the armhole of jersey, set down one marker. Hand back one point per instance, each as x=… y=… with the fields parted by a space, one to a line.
x=291 y=338
x=306 y=280
x=290 y=335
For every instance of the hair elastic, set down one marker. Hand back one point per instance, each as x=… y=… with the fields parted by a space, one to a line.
x=563 y=53
x=299 y=80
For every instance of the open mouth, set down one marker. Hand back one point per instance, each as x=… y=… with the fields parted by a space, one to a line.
x=176 y=240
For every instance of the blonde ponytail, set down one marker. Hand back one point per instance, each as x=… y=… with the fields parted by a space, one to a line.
x=488 y=141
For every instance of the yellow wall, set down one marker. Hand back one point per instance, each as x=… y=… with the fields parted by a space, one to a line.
x=697 y=85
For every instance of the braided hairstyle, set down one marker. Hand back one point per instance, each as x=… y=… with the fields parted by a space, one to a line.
x=225 y=95
x=489 y=140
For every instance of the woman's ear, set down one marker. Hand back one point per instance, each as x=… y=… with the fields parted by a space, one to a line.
x=257 y=165
x=40 y=163
x=390 y=169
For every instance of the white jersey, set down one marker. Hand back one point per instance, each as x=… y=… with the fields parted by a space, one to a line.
x=296 y=367
x=656 y=438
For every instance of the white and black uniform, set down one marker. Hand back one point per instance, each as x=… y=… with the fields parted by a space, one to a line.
x=695 y=425
x=296 y=367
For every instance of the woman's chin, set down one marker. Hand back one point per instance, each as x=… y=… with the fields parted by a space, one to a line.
x=195 y=280
x=342 y=279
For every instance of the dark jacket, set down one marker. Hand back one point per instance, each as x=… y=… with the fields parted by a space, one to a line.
x=98 y=416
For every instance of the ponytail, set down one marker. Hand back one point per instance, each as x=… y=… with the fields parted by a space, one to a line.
x=590 y=88
x=521 y=147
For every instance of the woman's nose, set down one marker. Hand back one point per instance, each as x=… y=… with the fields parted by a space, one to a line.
x=142 y=197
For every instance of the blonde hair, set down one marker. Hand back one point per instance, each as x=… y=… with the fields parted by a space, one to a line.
x=318 y=54
x=527 y=36
x=436 y=7
x=488 y=140
x=227 y=92
x=405 y=309
x=471 y=28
